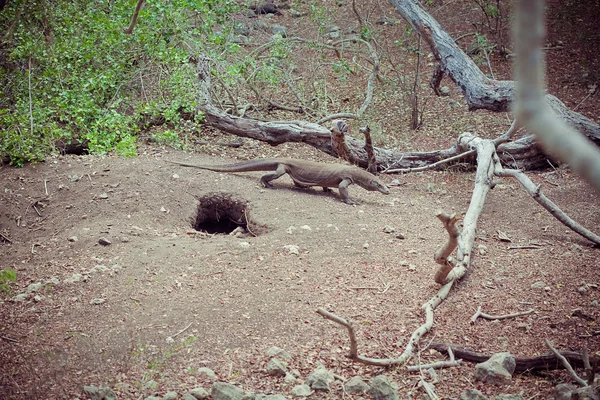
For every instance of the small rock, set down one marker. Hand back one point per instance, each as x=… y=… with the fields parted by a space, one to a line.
x=175 y=176
x=400 y=236
x=472 y=394
x=125 y=239
x=583 y=289
x=290 y=230
x=37 y=298
x=306 y=228
x=289 y=378
x=72 y=239
x=103 y=196
x=75 y=278
x=99 y=268
x=279 y=30
x=278 y=352
x=301 y=391
x=104 y=241
x=366 y=245
x=594 y=303
x=482 y=249
x=189 y=396
x=210 y=374
x=34 y=287
x=538 y=285
x=320 y=379
x=412 y=267
x=508 y=397
x=445 y=91
x=97 y=301
x=52 y=281
x=497 y=370
x=356 y=385
x=226 y=391
x=276 y=367
x=20 y=298
x=382 y=389
x=199 y=393
x=292 y=249
x=170 y=396
x=244 y=245
x=388 y=229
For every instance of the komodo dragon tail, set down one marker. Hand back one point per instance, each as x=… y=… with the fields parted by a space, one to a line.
x=246 y=166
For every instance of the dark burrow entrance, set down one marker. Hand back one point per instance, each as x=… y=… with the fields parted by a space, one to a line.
x=220 y=213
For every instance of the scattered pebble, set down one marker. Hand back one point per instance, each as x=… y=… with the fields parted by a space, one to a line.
x=72 y=239
x=104 y=241
x=292 y=249
x=97 y=301
x=103 y=196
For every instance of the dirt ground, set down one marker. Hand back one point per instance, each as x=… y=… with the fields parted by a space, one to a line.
x=225 y=300
x=238 y=300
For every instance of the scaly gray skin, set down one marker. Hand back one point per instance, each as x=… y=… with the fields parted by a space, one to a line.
x=304 y=174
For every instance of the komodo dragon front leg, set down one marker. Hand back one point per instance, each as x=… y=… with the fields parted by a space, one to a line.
x=343 y=188
x=267 y=178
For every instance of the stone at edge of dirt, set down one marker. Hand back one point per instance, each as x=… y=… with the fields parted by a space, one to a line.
x=301 y=391
x=188 y=396
x=472 y=394
x=508 y=397
x=226 y=391
x=276 y=367
x=564 y=391
x=170 y=396
x=199 y=393
x=152 y=398
x=497 y=370
x=382 y=389
x=210 y=374
x=99 y=393
x=320 y=379
x=278 y=352
x=356 y=385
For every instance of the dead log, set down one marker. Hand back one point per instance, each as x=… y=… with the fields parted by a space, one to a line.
x=546 y=362
x=480 y=91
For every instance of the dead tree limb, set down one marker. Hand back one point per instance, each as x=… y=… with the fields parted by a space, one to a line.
x=566 y=364
x=442 y=255
x=480 y=91
x=545 y=362
x=372 y=161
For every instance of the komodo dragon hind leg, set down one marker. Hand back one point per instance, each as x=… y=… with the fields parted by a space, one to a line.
x=343 y=188
x=267 y=178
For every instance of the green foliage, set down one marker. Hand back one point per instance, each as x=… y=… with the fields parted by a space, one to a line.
x=67 y=70
x=6 y=276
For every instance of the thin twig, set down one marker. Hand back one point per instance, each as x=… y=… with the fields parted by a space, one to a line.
x=9 y=339
x=46 y=186
x=183 y=330
x=478 y=314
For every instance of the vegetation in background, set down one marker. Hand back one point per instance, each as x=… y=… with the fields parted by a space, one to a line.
x=67 y=70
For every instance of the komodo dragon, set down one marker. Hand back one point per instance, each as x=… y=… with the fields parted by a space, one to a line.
x=304 y=174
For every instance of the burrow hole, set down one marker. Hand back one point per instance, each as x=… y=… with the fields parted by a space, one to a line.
x=220 y=213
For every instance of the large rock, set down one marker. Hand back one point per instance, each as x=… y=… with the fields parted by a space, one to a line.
x=497 y=370
x=381 y=389
x=226 y=391
x=276 y=367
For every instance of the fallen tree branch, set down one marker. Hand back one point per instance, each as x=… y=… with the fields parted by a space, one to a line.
x=478 y=314
x=566 y=364
x=544 y=362
x=536 y=193
x=436 y=365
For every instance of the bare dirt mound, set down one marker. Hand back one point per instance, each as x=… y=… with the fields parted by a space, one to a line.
x=106 y=314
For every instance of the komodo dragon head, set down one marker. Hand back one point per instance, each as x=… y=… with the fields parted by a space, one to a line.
x=369 y=181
